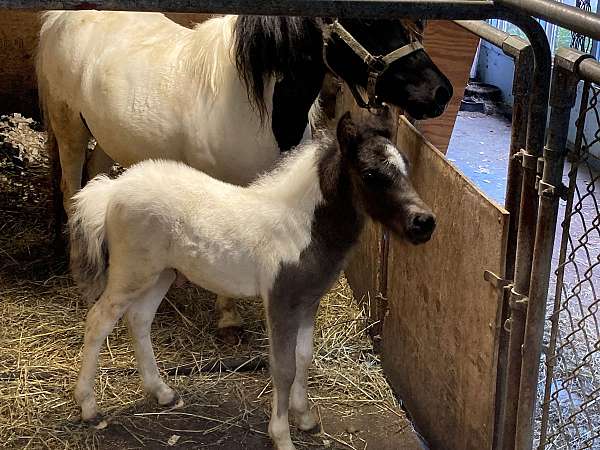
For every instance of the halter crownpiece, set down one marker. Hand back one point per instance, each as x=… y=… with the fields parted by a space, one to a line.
x=376 y=65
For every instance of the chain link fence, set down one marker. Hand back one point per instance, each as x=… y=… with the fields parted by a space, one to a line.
x=570 y=382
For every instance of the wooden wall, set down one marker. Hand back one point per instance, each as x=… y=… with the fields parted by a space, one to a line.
x=18 y=40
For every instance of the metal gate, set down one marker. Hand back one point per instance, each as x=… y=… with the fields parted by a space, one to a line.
x=570 y=381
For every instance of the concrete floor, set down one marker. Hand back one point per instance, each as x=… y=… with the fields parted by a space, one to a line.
x=479 y=148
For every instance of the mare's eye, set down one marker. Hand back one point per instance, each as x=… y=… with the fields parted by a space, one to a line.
x=375 y=179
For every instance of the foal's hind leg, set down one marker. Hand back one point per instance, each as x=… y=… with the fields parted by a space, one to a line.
x=229 y=325
x=101 y=319
x=139 y=319
x=72 y=138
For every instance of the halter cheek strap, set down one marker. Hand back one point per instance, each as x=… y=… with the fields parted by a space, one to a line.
x=376 y=65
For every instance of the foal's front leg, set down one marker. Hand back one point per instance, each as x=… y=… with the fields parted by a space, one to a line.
x=306 y=418
x=285 y=317
x=282 y=325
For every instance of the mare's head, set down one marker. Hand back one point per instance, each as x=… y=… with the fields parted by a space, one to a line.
x=380 y=178
x=412 y=82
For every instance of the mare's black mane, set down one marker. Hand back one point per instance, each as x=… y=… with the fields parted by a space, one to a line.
x=272 y=45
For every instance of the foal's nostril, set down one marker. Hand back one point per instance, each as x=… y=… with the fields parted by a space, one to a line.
x=423 y=223
x=442 y=96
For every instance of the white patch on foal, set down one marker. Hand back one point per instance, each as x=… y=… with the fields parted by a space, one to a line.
x=395 y=159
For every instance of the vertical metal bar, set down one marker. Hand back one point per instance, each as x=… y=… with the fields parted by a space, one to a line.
x=510 y=345
x=551 y=357
x=536 y=125
x=562 y=100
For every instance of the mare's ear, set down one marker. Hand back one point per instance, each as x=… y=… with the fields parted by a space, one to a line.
x=347 y=134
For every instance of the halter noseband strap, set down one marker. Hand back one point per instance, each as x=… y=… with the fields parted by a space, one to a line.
x=376 y=65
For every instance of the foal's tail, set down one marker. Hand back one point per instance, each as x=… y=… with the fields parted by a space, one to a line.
x=87 y=232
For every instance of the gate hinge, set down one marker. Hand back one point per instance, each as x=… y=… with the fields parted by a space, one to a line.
x=518 y=301
x=548 y=190
x=495 y=280
x=528 y=160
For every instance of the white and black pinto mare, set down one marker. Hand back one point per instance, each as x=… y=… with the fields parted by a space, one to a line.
x=285 y=238
x=225 y=98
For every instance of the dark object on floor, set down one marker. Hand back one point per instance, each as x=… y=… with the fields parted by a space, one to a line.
x=470 y=105
x=483 y=91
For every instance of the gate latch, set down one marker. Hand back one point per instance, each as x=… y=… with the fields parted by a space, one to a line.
x=495 y=280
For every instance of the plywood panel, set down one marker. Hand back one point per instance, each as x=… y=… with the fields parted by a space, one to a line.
x=452 y=49
x=440 y=335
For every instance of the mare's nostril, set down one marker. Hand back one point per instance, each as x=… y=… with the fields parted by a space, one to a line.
x=442 y=96
x=423 y=223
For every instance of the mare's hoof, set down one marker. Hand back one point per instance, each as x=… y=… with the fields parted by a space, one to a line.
x=231 y=335
x=176 y=403
x=98 y=422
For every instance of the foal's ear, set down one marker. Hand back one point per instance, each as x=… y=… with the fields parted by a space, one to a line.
x=347 y=133
x=381 y=121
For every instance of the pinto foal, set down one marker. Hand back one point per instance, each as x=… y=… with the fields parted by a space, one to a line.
x=285 y=238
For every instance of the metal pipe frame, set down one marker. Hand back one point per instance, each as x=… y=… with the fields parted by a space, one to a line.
x=562 y=100
x=566 y=16
x=589 y=70
x=419 y=9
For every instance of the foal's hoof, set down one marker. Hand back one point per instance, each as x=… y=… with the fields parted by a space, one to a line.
x=175 y=403
x=97 y=423
x=314 y=430
x=231 y=335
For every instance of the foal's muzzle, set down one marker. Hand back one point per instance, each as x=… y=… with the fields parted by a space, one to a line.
x=420 y=228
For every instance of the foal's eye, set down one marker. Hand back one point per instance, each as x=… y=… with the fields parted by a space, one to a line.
x=375 y=178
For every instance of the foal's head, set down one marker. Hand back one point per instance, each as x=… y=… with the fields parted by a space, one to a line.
x=379 y=174
x=413 y=82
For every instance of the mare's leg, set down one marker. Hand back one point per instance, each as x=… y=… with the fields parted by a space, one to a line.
x=139 y=319
x=72 y=138
x=306 y=419
x=98 y=162
x=229 y=325
x=284 y=316
x=101 y=319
